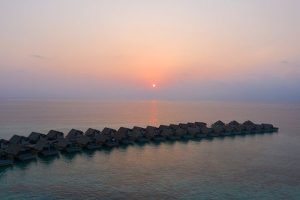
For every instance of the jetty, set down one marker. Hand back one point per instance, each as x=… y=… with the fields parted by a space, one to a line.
x=21 y=148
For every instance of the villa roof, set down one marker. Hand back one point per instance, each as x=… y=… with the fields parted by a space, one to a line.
x=17 y=139
x=123 y=130
x=248 y=123
x=161 y=127
x=218 y=123
x=200 y=124
x=233 y=123
x=91 y=132
x=54 y=133
x=74 y=133
x=108 y=131
x=34 y=136
x=183 y=125
x=137 y=128
x=173 y=126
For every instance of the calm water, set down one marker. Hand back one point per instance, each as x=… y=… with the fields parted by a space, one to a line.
x=244 y=167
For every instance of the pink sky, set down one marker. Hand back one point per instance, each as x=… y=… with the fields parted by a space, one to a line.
x=105 y=48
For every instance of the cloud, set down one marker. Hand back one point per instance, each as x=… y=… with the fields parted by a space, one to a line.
x=284 y=62
x=37 y=56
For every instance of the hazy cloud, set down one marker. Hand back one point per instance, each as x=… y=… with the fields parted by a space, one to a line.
x=37 y=56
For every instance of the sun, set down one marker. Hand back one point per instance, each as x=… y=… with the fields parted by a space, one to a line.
x=154 y=85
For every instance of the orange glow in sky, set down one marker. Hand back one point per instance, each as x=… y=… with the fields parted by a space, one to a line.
x=126 y=49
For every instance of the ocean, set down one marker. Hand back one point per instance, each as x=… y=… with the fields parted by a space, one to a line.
x=261 y=166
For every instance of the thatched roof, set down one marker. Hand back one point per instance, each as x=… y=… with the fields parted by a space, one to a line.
x=134 y=134
x=218 y=123
x=34 y=137
x=92 y=132
x=139 y=129
x=267 y=126
x=184 y=126
x=233 y=123
x=108 y=131
x=162 y=127
x=190 y=124
x=74 y=133
x=248 y=123
x=151 y=131
x=17 y=139
x=200 y=124
x=52 y=134
x=174 y=126
x=123 y=131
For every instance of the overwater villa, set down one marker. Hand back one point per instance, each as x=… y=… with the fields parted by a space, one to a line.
x=166 y=132
x=91 y=133
x=194 y=131
x=179 y=132
x=134 y=135
x=34 y=137
x=153 y=133
x=26 y=148
x=183 y=125
x=3 y=144
x=175 y=135
x=66 y=145
x=206 y=132
x=122 y=136
x=110 y=140
x=232 y=128
x=249 y=127
x=20 y=152
x=94 y=139
x=74 y=134
x=141 y=133
x=55 y=135
x=218 y=128
x=269 y=128
x=20 y=140
x=45 y=148
x=5 y=159
x=77 y=138
x=200 y=124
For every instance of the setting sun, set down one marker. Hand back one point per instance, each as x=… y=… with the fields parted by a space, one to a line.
x=154 y=85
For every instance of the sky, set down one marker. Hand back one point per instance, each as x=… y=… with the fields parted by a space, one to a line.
x=117 y=49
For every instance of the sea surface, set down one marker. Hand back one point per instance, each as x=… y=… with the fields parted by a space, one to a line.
x=262 y=166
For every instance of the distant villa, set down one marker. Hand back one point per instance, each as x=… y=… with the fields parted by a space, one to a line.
x=21 y=148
